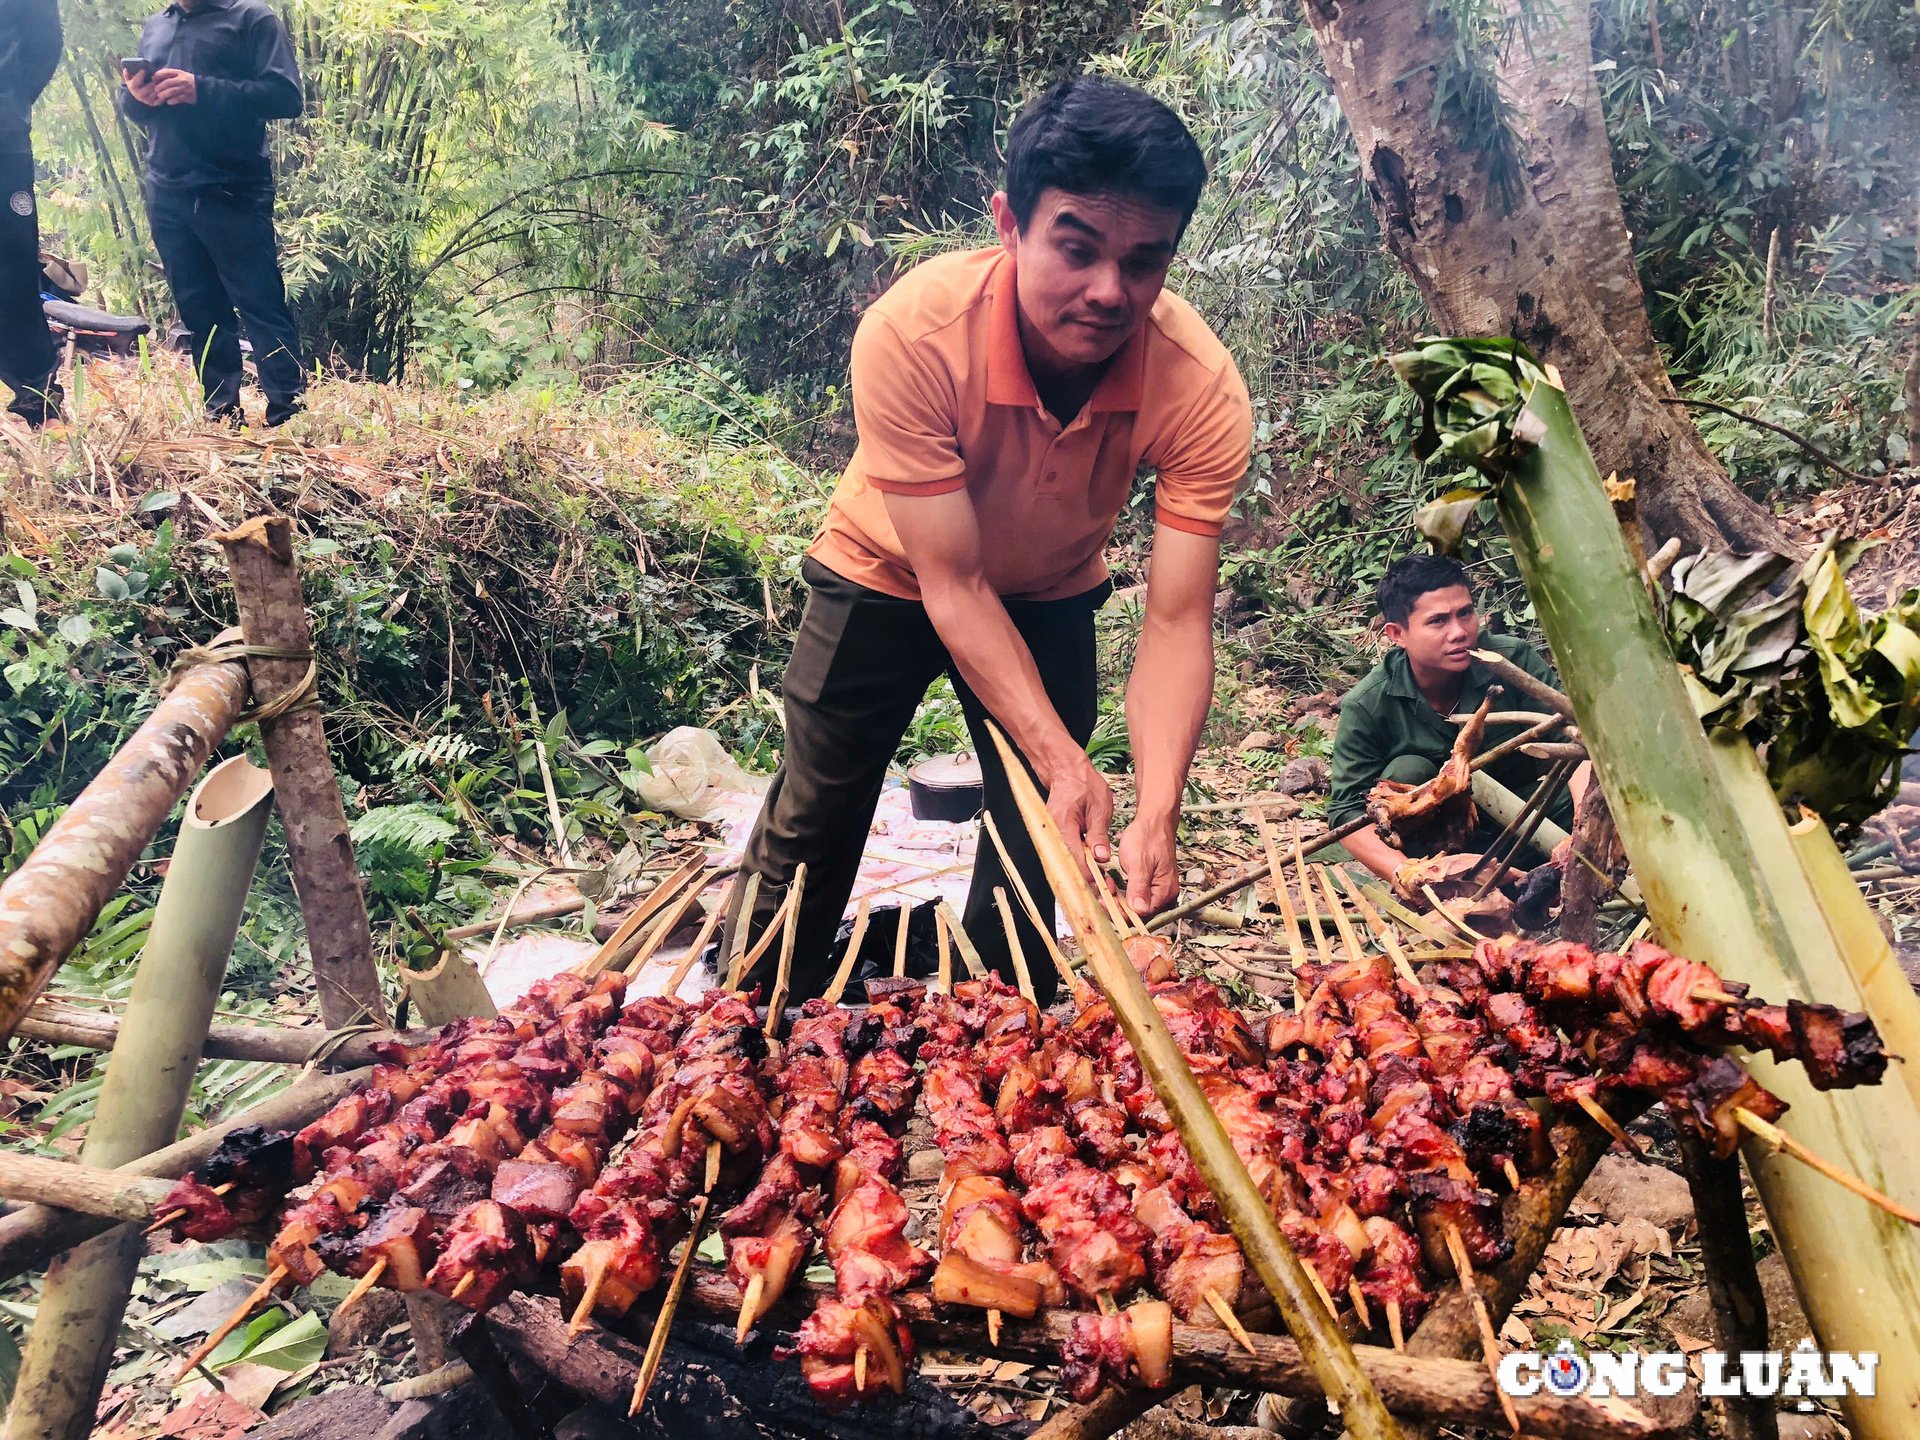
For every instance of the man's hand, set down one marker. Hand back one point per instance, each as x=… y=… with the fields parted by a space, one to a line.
x=172 y=87
x=1081 y=804
x=1147 y=856
x=141 y=85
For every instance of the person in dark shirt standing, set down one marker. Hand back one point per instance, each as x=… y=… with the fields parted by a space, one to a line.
x=29 y=53
x=213 y=73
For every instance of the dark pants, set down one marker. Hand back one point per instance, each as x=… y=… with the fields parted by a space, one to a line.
x=27 y=356
x=221 y=256
x=861 y=664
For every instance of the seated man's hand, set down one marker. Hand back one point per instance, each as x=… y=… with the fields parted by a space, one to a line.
x=173 y=87
x=1147 y=857
x=1081 y=804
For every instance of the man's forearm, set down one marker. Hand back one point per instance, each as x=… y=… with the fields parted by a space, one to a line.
x=1374 y=853
x=1168 y=698
x=994 y=660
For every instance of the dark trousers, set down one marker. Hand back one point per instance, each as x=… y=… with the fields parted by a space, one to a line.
x=861 y=664
x=221 y=256
x=27 y=356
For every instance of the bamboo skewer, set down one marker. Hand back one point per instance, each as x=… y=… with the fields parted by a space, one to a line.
x=233 y=1322
x=713 y=1167
x=1394 y=1331
x=860 y=1370
x=1359 y=1298
x=1597 y=1113
x=1108 y=1306
x=1323 y=1345
x=699 y=947
x=1075 y=985
x=741 y=930
x=1320 y=946
x=1019 y=956
x=467 y=1282
x=1785 y=1144
x=945 y=979
x=839 y=986
x=747 y=959
x=656 y=900
x=969 y=952
x=1229 y=1321
x=1489 y=1342
x=361 y=1286
x=900 y=938
x=668 y=923
x=749 y=1308
x=583 y=1312
x=1282 y=896
x=657 y=1342
x=1341 y=922
x=173 y=1215
x=777 y=997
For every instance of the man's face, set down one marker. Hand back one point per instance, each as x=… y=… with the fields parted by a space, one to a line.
x=1089 y=269
x=1440 y=632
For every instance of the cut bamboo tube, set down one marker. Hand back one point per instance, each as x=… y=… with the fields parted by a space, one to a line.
x=1041 y=923
x=777 y=997
x=1282 y=896
x=1325 y=1347
x=663 y=1322
x=860 y=918
x=149 y=1076
x=1019 y=956
x=226 y=1327
x=1489 y=1342
x=700 y=941
x=50 y=902
x=1320 y=945
x=963 y=942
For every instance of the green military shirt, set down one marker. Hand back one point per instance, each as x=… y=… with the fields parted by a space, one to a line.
x=1385 y=716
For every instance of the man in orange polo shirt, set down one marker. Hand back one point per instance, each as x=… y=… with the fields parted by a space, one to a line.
x=1005 y=400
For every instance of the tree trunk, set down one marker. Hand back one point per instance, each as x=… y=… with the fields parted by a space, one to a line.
x=1553 y=268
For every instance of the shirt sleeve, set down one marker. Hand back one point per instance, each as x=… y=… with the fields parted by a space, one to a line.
x=39 y=53
x=906 y=413
x=1359 y=760
x=1197 y=470
x=273 y=92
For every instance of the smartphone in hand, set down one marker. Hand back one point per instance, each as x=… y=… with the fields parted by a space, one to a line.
x=137 y=65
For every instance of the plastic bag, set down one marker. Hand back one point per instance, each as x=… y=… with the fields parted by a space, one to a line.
x=693 y=774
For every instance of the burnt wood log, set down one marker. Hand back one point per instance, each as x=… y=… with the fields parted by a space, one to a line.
x=1733 y=1282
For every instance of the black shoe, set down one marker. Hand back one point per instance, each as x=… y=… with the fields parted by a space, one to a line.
x=38 y=406
x=281 y=411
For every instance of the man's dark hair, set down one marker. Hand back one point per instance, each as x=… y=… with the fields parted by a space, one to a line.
x=1412 y=576
x=1092 y=136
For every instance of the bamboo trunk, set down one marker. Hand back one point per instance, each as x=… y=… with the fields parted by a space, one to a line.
x=1505 y=806
x=1724 y=885
x=148 y=1079
x=266 y=590
x=49 y=903
x=33 y=1234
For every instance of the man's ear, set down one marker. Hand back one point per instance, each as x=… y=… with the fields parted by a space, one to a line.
x=1005 y=223
x=1396 y=633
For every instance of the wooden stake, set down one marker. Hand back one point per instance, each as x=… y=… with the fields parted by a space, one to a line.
x=700 y=941
x=962 y=942
x=361 y=1286
x=900 y=938
x=945 y=980
x=657 y=1342
x=840 y=977
x=1784 y=1143
x=1282 y=896
x=1020 y=972
x=1489 y=1342
x=233 y=1322
x=1598 y=1114
x=1320 y=946
x=747 y=959
x=777 y=999
x=1065 y=971
x=742 y=931
x=670 y=922
x=1229 y=1321
x=1341 y=922
x=749 y=1307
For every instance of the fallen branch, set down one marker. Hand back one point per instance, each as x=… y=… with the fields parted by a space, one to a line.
x=272 y=1044
x=87 y=1189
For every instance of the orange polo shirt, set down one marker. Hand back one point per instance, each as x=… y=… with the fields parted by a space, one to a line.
x=943 y=401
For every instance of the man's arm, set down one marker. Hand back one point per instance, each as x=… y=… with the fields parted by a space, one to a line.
x=1358 y=763
x=39 y=54
x=941 y=537
x=1168 y=697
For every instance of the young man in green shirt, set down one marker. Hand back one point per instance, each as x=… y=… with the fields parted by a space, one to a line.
x=1395 y=725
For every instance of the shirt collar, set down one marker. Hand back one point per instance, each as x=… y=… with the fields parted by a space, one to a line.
x=1400 y=682
x=203 y=7
x=1010 y=382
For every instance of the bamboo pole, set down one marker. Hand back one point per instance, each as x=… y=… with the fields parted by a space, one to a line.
x=49 y=904
x=33 y=1234
x=145 y=1093
x=1326 y=1349
x=1723 y=885
x=266 y=589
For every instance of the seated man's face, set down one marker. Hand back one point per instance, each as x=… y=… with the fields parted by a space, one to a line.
x=1089 y=268
x=1440 y=632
